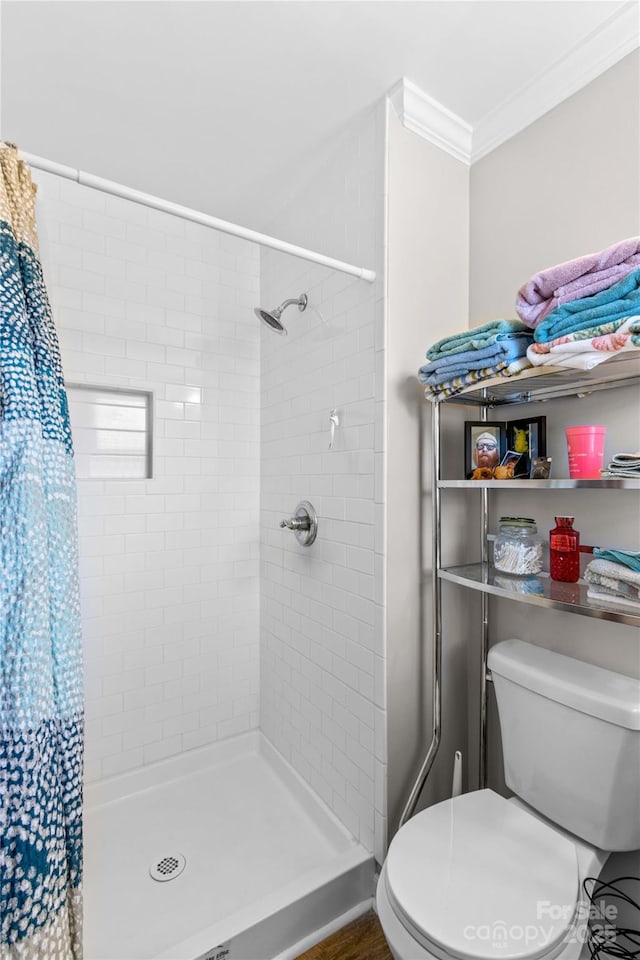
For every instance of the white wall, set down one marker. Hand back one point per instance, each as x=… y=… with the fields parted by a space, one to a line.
x=565 y=186
x=322 y=683
x=427 y=297
x=169 y=566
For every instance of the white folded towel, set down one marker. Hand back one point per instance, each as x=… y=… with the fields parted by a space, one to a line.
x=607 y=598
x=617 y=571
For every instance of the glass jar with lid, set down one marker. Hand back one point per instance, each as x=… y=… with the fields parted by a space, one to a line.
x=517 y=549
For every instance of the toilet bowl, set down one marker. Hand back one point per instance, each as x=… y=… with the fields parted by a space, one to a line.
x=479 y=877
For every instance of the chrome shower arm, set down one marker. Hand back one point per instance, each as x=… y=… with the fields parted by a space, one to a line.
x=300 y=302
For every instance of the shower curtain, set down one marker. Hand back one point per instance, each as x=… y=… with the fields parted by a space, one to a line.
x=41 y=722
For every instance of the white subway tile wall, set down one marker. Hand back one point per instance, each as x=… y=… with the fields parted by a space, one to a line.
x=321 y=642
x=169 y=565
x=322 y=625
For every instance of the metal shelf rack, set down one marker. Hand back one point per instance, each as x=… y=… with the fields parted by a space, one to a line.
x=560 y=484
x=540 y=590
x=540 y=384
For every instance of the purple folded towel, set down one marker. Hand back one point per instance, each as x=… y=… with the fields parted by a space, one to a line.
x=576 y=279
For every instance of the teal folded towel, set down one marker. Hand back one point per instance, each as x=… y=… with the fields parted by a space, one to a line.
x=627 y=558
x=476 y=338
x=620 y=300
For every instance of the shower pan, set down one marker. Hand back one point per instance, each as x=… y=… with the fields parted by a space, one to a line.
x=248 y=858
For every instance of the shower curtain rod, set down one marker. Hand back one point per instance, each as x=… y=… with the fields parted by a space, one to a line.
x=176 y=210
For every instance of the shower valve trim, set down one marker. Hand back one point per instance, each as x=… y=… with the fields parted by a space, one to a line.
x=304 y=523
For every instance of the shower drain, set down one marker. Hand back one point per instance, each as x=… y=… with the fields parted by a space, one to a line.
x=168 y=867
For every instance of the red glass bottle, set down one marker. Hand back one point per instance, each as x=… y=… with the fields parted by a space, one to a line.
x=564 y=551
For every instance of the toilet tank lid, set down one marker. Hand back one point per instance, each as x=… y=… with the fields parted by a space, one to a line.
x=592 y=690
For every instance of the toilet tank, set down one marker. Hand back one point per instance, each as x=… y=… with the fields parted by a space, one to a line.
x=571 y=741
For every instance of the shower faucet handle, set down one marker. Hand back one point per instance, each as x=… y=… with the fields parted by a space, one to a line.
x=304 y=523
x=296 y=523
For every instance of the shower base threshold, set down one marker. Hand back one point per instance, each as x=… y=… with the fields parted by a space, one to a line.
x=247 y=860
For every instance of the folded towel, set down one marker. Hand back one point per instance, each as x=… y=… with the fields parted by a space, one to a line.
x=625 y=558
x=475 y=338
x=593 y=594
x=450 y=388
x=625 y=461
x=615 y=571
x=635 y=330
x=607 y=474
x=575 y=279
x=459 y=364
x=613 y=592
x=612 y=585
x=623 y=465
x=608 y=329
x=615 y=303
x=585 y=349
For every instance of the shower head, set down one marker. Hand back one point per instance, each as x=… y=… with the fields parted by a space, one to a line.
x=272 y=317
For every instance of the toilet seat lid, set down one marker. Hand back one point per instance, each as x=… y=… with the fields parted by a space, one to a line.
x=478 y=877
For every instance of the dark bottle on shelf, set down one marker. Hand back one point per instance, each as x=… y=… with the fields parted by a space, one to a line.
x=564 y=551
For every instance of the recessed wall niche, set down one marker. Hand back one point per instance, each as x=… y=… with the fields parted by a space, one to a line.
x=112 y=432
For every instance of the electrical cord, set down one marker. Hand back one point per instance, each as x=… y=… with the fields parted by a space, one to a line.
x=607 y=939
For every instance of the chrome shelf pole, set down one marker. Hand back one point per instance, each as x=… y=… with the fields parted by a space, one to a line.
x=436 y=594
x=484 y=635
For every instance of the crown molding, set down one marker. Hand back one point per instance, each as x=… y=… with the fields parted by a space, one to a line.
x=599 y=50
x=429 y=119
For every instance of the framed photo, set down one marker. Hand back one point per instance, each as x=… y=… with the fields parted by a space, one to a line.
x=484 y=446
x=528 y=438
x=540 y=468
x=512 y=466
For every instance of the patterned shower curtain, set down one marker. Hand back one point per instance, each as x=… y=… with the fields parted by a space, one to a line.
x=41 y=723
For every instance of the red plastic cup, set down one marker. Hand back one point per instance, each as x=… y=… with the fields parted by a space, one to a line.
x=585 y=446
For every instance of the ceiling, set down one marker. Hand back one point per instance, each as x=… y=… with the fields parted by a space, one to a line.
x=222 y=105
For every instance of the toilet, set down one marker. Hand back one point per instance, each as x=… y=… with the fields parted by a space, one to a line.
x=479 y=876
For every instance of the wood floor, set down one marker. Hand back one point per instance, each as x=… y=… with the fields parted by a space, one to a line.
x=361 y=940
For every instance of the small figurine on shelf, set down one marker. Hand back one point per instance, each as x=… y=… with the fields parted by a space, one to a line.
x=564 y=551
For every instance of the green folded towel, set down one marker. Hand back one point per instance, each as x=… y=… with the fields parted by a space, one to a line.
x=476 y=338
